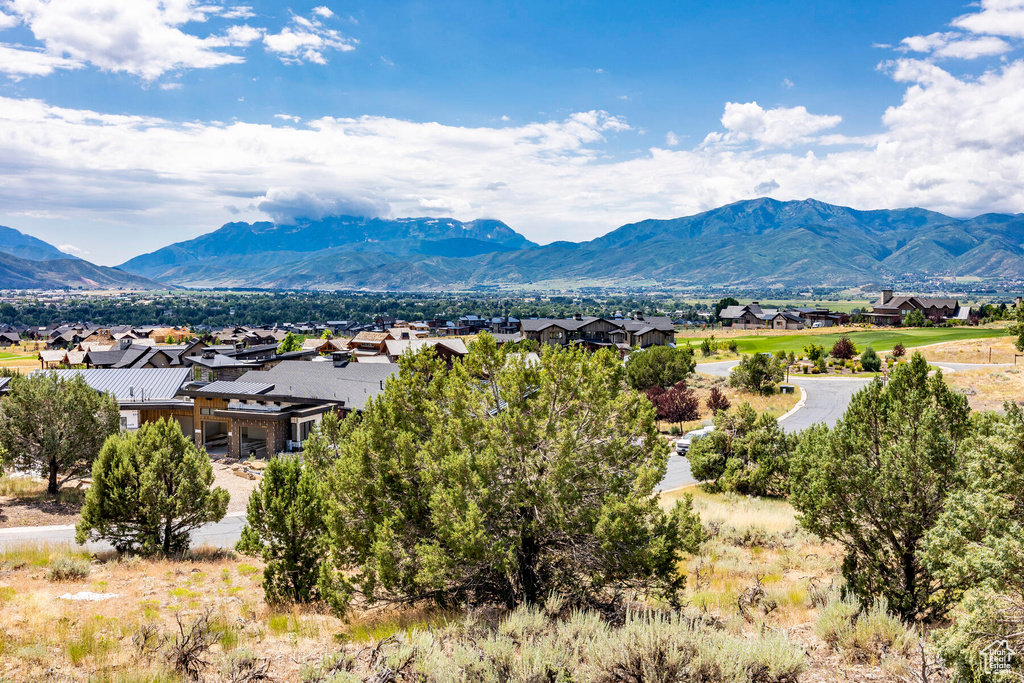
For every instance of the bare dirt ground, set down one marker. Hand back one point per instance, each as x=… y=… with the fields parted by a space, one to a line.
x=238 y=487
x=40 y=510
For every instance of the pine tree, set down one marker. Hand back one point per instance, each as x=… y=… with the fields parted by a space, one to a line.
x=500 y=480
x=285 y=527
x=150 y=489
x=879 y=480
x=55 y=426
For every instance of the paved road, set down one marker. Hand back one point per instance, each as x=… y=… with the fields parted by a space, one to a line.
x=825 y=400
x=223 y=534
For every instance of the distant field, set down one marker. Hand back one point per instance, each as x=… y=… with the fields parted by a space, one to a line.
x=879 y=340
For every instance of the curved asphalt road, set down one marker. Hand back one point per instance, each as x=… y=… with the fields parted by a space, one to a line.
x=825 y=400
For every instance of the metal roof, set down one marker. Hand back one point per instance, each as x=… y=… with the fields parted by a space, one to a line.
x=227 y=387
x=132 y=385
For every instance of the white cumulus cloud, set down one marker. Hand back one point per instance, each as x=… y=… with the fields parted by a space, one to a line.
x=953 y=144
x=18 y=62
x=996 y=18
x=778 y=127
x=141 y=37
x=307 y=40
x=955 y=45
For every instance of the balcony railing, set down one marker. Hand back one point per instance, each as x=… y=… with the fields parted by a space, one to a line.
x=253 y=407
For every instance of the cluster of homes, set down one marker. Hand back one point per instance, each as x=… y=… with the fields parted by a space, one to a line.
x=888 y=310
x=237 y=394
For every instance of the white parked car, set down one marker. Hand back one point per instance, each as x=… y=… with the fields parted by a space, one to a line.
x=683 y=444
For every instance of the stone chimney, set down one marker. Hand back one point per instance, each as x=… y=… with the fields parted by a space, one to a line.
x=639 y=315
x=340 y=359
x=209 y=353
x=124 y=342
x=1020 y=301
x=886 y=296
x=577 y=316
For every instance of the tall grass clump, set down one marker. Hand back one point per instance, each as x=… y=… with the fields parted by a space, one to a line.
x=68 y=568
x=871 y=633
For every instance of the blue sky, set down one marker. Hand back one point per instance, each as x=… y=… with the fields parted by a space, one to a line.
x=564 y=119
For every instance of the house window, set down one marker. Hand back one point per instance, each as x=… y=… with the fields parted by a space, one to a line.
x=206 y=411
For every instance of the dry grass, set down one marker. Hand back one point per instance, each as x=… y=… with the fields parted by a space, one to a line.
x=754 y=576
x=988 y=389
x=25 y=502
x=993 y=350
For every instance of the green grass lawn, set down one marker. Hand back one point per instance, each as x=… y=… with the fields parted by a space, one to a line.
x=879 y=340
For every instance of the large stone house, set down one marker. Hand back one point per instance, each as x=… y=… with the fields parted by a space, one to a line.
x=892 y=310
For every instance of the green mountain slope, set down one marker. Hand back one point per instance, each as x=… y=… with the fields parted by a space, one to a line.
x=236 y=249
x=751 y=243
x=19 y=273
x=17 y=243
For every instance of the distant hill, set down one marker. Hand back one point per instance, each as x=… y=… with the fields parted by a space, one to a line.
x=17 y=243
x=758 y=242
x=19 y=273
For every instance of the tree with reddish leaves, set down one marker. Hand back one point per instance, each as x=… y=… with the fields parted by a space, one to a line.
x=678 y=404
x=899 y=351
x=717 y=400
x=844 y=348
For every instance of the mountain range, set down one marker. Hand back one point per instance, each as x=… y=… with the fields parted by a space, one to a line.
x=27 y=262
x=749 y=244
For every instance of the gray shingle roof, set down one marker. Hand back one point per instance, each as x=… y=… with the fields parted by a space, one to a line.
x=352 y=384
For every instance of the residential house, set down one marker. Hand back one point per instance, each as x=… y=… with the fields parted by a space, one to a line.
x=504 y=325
x=474 y=323
x=453 y=329
x=211 y=366
x=752 y=317
x=892 y=310
x=324 y=347
x=9 y=338
x=446 y=349
x=368 y=344
x=273 y=411
x=595 y=332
